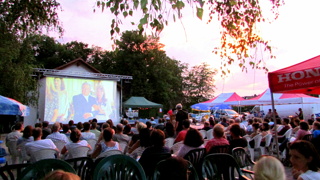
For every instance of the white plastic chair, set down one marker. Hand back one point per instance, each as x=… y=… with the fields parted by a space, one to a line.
x=279 y=128
x=210 y=134
x=287 y=135
x=123 y=146
x=59 y=144
x=12 y=148
x=23 y=153
x=77 y=152
x=176 y=147
x=109 y=153
x=169 y=142
x=257 y=141
x=268 y=139
x=43 y=154
x=203 y=133
x=92 y=143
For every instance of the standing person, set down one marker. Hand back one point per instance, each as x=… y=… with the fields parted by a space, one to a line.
x=300 y=114
x=305 y=160
x=83 y=104
x=182 y=134
x=180 y=116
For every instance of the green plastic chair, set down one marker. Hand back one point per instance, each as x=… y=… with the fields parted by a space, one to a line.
x=40 y=169
x=119 y=167
x=12 y=171
x=221 y=166
x=83 y=166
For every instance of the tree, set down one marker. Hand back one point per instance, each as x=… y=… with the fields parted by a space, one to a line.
x=18 y=20
x=199 y=84
x=238 y=20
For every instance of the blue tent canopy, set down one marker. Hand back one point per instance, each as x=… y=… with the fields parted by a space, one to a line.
x=10 y=106
x=201 y=107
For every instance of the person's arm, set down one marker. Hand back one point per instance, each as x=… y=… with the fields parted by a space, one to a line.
x=97 y=151
x=134 y=146
x=64 y=150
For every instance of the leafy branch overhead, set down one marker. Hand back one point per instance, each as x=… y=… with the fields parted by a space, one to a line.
x=238 y=20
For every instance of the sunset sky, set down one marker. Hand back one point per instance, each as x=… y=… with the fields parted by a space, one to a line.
x=294 y=35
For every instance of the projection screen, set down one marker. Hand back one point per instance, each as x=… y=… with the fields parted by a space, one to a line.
x=79 y=100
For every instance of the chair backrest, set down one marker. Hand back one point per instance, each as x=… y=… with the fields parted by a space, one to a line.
x=23 y=153
x=242 y=158
x=169 y=142
x=288 y=133
x=77 y=152
x=82 y=166
x=308 y=137
x=43 y=154
x=176 y=147
x=59 y=144
x=41 y=168
x=92 y=143
x=11 y=172
x=257 y=140
x=123 y=146
x=109 y=153
x=195 y=157
x=221 y=166
x=220 y=149
x=279 y=127
x=268 y=139
x=161 y=166
x=150 y=161
x=203 y=133
x=210 y=134
x=118 y=167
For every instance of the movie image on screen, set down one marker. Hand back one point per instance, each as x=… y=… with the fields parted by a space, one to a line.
x=79 y=100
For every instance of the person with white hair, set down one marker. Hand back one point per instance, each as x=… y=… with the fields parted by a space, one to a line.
x=56 y=135
x=180 y=116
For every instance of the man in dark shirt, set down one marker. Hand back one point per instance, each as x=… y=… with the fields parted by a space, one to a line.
x=180 y=116
x=236 y=139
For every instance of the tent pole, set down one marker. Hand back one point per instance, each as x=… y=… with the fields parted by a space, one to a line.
x=275 y=124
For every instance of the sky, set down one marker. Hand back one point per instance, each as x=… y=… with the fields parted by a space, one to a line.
x=294 y=37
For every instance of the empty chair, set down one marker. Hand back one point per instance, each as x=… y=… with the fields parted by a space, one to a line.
x=82 y=166
x=257 y=141
x=118 y=167
x=268 y=139
x=243 y=159
x=12 y=171
x=195 y=157
x=109 y=153
x=81 y=151
x=169 y=142
x=92 y=143
x=41 y=168
x=44 y=154
x=221 y=166
x=203 y=133
x=210 y=134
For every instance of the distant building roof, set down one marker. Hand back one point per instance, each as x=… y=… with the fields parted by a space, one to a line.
x=78 y=62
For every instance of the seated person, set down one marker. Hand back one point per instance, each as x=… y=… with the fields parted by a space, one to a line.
x=108 y=143
x=152 y=155
x=193 y=140
x=180 y=167
x=316 y=129
x=75 y=136
x=219 y=138
x=268 y=168
x=236 y=140
x=206 y=126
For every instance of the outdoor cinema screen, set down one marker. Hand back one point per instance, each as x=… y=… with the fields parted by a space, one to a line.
x=79 y=100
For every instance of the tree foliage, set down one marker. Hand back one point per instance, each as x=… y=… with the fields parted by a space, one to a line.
x=199 y=83
x=238 y=23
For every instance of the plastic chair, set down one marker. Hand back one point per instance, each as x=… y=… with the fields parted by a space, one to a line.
x=268 y=139
x=195 y=157
x=221 y=166
x=118 y=167
x=244 y=161
x=123 y=146
x=77 y=152
x=11 y=172
x=92 y=143
x=176 y=147
x=43 y=154
x=12 y=148
x=41 y=168
x=59 y=144
x=169 y=142
x=257 y=140
x=109 y=153
x=219 y=149
x=308 y=137
x=23 y=153
x=82 y=166
x=160 y=167
x=203 y=133
x=150 y=161
x=210 y=134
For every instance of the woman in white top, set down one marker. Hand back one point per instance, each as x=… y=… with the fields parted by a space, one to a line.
x=75 y=136
x=193 y=140
x=305 y=160
x=108 y=143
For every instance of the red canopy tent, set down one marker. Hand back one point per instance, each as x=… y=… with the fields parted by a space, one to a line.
x=303 y=77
